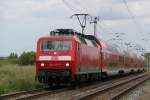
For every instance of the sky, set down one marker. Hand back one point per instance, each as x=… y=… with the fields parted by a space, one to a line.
x=22 y=22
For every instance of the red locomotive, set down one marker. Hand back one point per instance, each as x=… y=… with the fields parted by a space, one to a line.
x=68 y=56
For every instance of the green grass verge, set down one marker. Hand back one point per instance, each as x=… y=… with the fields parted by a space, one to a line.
x=15 y=78
x=146 y=91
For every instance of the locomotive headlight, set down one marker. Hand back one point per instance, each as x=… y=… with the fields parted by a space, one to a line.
x=67 y=65
x=42 y=64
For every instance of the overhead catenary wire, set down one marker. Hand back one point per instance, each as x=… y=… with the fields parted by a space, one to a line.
x=100 y=28
x=73 y=9
x=69 y=6
x=101 y=25
x=132 y=17
x=106 y=30
x=131 y=14
x=128 y=9
x=103 y=29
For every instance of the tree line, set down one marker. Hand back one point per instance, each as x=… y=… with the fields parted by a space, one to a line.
x=26 y=58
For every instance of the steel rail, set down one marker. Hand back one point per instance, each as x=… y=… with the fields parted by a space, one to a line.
x=42 y=94
x=129 y=88
x=12 y=95
x=89 y=90
x=99 y=90
x=31 y=94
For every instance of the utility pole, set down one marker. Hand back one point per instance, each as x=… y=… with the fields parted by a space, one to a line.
x=83 y=23
x=96 y=19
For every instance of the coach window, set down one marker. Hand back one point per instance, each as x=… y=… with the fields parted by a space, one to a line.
x=131 y=60
x=105 y=55
x=110 y=48
x=120 y=59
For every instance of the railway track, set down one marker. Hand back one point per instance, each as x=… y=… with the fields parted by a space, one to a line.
x=78 y=93
x=92 y=91
x=111 y=91
x=29 y=95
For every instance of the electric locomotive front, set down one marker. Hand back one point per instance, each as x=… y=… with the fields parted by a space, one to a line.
x=55 y=58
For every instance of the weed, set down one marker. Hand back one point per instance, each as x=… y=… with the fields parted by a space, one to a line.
x=15 y=78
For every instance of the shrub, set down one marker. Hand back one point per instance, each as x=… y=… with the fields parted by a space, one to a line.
x=27 y=58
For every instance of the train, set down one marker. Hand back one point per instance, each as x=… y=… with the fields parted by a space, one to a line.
x=69 y=56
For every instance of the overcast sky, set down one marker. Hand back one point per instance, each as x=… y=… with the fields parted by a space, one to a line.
x=23 y=21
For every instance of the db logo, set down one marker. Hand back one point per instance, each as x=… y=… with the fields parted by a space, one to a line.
x=55 y=58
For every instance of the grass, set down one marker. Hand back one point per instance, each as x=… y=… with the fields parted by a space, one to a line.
x=146 y=92
x=15 y=78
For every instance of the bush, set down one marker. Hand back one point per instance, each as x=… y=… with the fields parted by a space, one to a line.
x=27 y=58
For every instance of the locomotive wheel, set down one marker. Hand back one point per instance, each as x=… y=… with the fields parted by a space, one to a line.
x=74 y=81
x=138 y=71
x=132 y=71
x=104 y=75
x=121 y=73
x=50 y=85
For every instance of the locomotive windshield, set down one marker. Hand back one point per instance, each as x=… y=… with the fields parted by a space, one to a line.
x=59 y=45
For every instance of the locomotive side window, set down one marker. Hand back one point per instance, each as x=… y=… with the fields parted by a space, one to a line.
x=82 y=40
x=60 y=45
x=94 y=43
x=90 y=43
